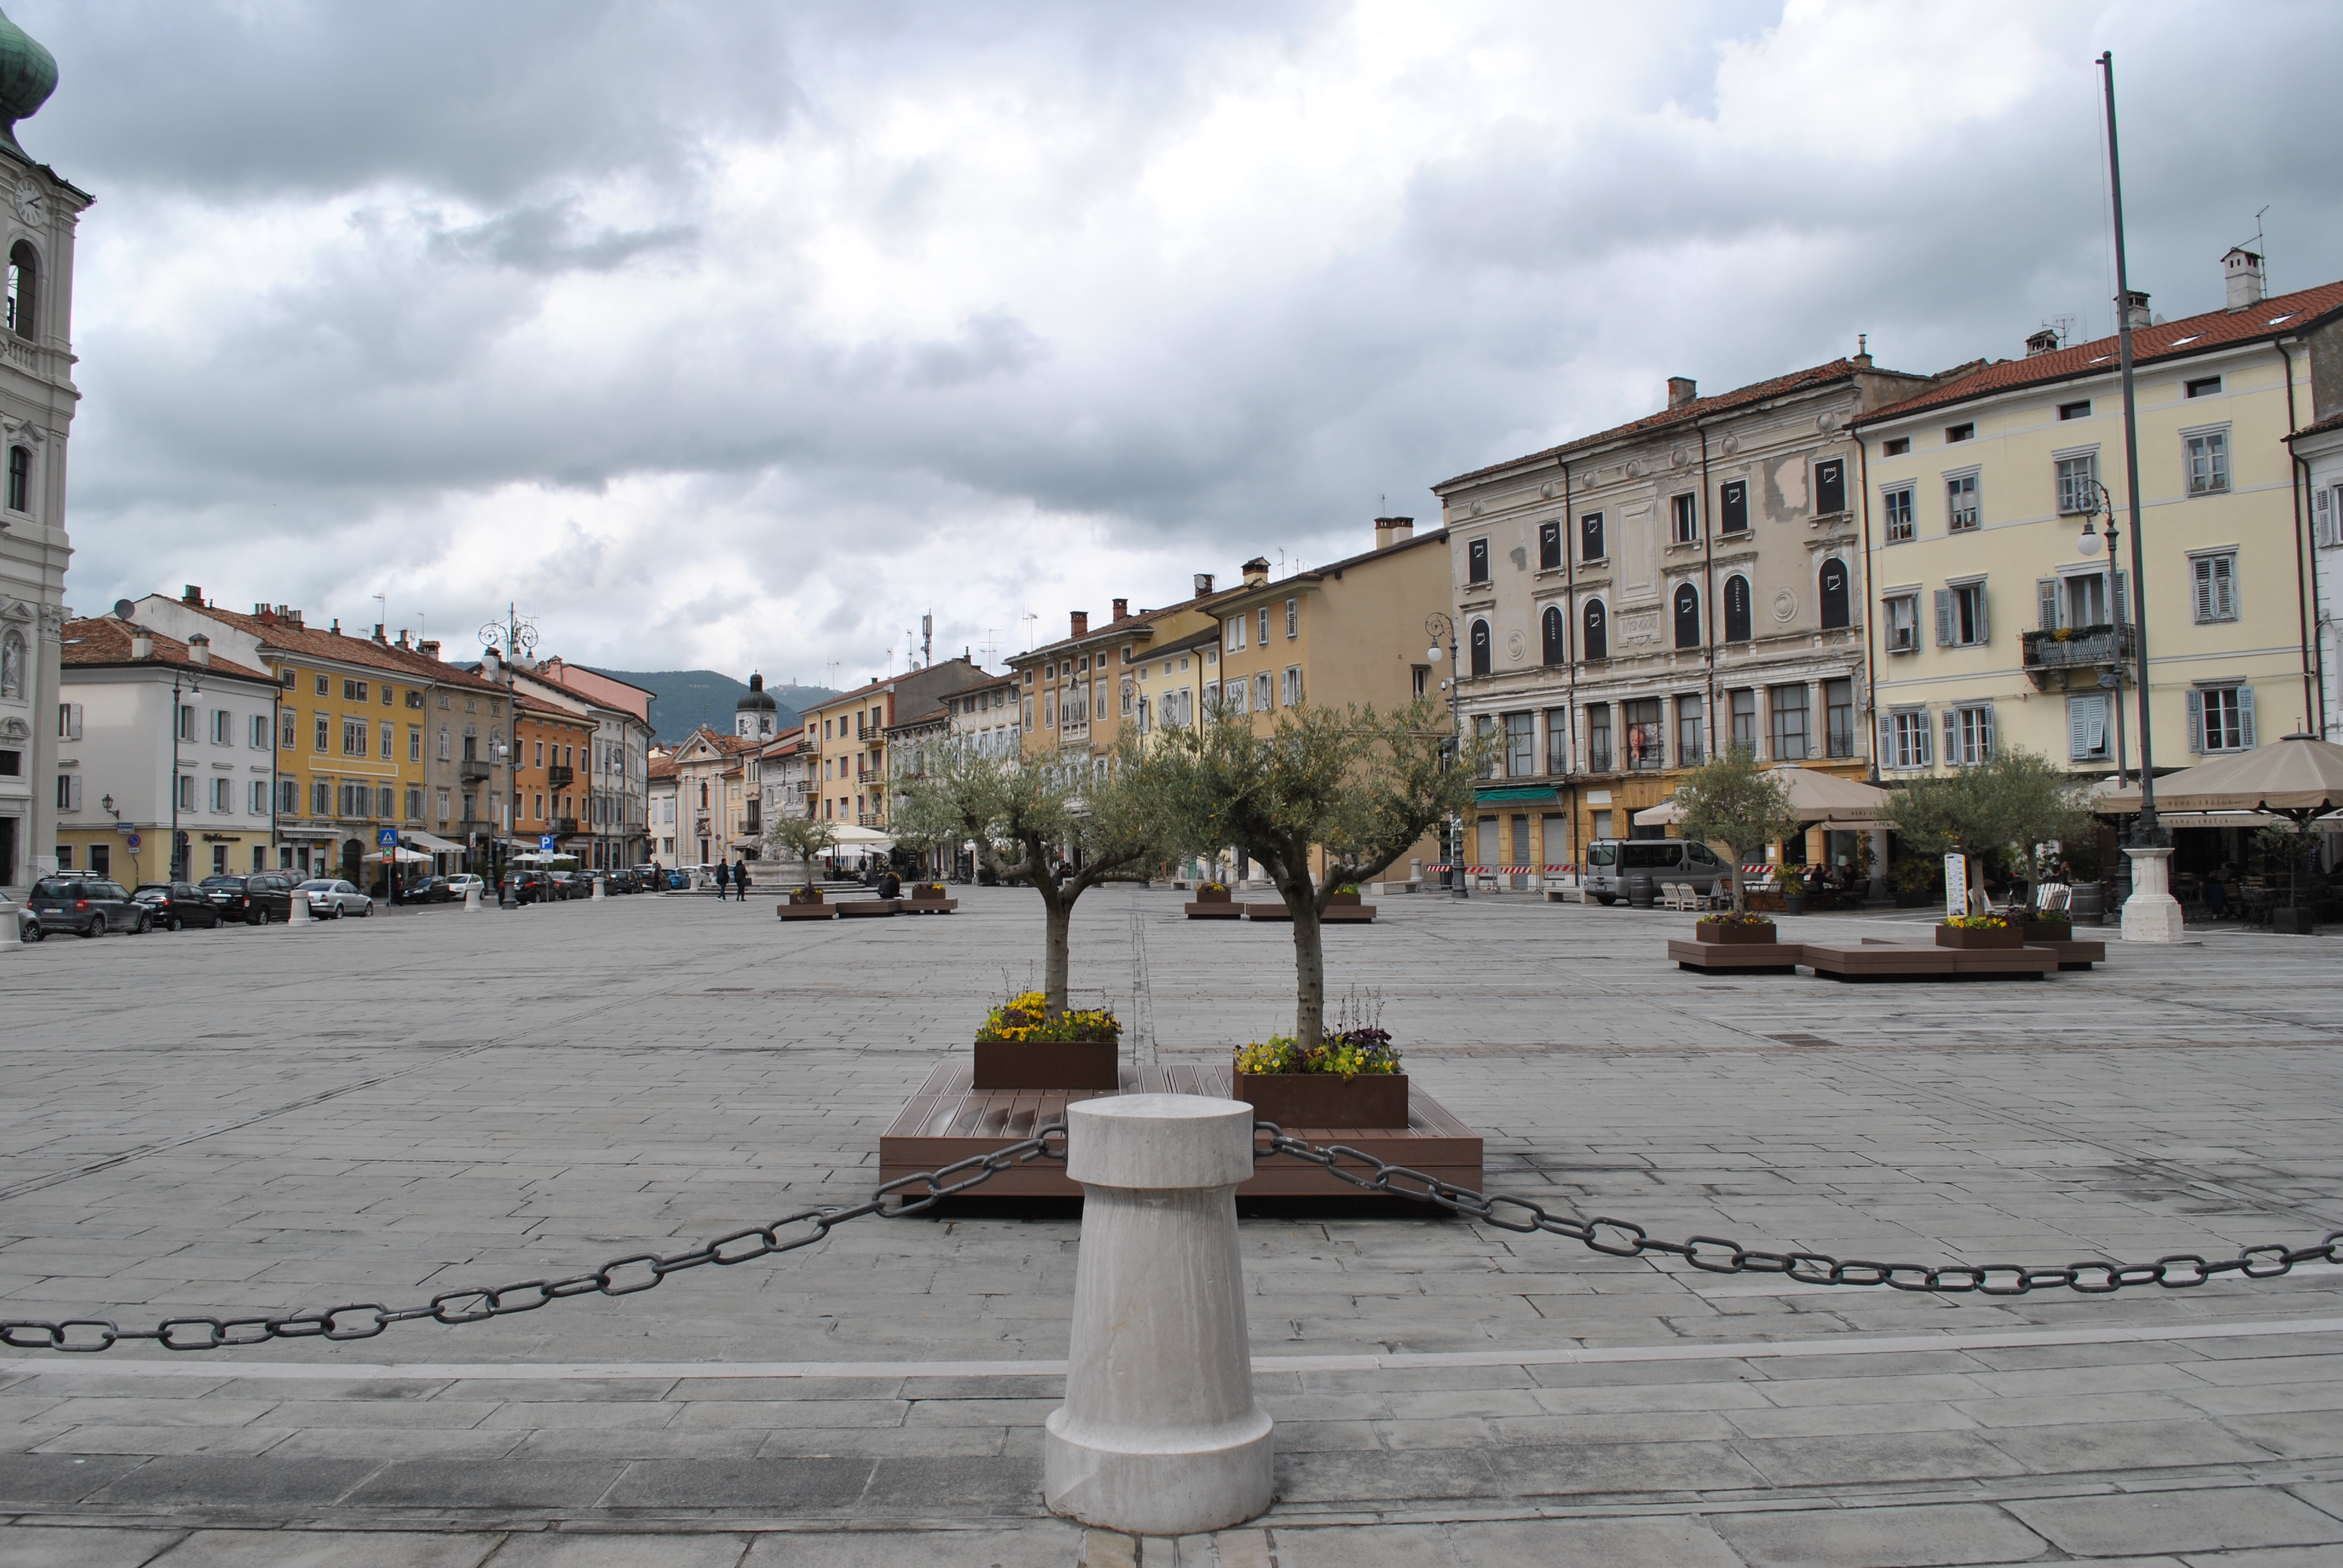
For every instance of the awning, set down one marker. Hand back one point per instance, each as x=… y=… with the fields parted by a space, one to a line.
x=432 y=842
x=1545 y=792
x=1822 y=800
x=404 y=857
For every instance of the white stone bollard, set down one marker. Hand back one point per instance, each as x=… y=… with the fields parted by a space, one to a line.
x=296 y=909
x=597 y=890
x=472 y=899
x=11 y=939
x=2151 y=914
x=1159 y=1434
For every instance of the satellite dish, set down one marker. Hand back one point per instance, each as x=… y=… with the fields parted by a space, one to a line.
x=125 y=610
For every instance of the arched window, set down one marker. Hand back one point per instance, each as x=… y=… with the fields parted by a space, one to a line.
x=1550 y=629
x=24 y=274
x=1596 y=634
x=703 y=795
x=1479 y=648
x=1736 y=609
x=1834 y=586
x=1687 y=616
x=20 y=479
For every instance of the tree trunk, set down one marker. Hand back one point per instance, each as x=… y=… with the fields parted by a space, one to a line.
x=1057 y=925
x=1309 y=966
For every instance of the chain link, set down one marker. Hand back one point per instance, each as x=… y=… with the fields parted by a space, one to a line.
x=1719 y=1255
x=624 y=1276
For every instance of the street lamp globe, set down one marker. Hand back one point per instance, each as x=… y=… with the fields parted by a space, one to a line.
x=2089 y=543
x=1433 y=653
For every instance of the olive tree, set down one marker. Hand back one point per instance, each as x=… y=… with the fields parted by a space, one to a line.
x=1024 y=813
x=1356 y=787
x=802 y=838
x=2013 y=802
x=1732 y=801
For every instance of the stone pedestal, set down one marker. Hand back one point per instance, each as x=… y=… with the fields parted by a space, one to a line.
x=11 y=939
x=597 y=890
x=296 y=909
x=1159 y=1434
x=472 y=899
x=2151 y=914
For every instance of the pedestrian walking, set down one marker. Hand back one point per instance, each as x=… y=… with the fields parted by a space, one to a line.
x=723 y=877
x=741 y=881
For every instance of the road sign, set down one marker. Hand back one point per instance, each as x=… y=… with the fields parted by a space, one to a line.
x=133 y=840
x=388 y=837
x=545 y=842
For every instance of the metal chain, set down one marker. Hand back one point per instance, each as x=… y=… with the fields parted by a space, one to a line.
x=626 y=1276
x=1717 y=1255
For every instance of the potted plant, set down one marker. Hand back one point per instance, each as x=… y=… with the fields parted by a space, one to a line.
x=1791 y=879
x=1212 y=893
x=1349 y=1078
x=1024 y=1045
x=1347 y=895
x=1734 y=926
x=805 y=895
x=1979 y=931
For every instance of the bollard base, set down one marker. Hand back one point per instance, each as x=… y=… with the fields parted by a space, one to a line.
x=1159 y=1482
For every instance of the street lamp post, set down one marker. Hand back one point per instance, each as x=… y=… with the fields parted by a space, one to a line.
x=1437 y=626
x=2110 y=680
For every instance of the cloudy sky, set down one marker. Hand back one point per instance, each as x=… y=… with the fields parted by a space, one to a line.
x=739 y=336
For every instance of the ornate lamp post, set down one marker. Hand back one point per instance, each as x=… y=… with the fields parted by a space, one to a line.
x=1437 y=626
x=2110 y=680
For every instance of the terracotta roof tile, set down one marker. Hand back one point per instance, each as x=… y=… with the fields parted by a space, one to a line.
x=297 y=641
x=102 y=640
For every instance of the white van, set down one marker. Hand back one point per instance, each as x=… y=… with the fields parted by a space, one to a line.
x=1610 y=862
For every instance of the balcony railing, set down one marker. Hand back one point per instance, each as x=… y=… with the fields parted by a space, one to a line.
x=472 y=770
x=563 y=826
x=559 y=776
x=2050 y=654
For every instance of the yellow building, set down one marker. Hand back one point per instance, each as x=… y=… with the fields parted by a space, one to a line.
x=1992 y=625
x=1080 y=695
x=847 y=765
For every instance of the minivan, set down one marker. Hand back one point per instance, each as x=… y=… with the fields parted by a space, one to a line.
x=1610 y=862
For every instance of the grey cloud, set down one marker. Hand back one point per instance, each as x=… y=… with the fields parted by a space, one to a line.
x=548 y=237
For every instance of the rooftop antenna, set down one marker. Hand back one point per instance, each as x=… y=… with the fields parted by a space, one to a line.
x=928 y=638
x=1029 y=617
x=992 y=643
x=2261 y=248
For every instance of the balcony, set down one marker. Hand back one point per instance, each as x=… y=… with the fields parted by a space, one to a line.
x=2052 y=656
x=563 y=826
x=559 y=776
x=473 y=769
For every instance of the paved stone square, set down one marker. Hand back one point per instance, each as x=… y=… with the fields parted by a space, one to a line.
x=246 y=1121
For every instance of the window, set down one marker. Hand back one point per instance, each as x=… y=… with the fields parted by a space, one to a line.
x=1549 y=547
x=1968 y=736
x=1479 y=643
x=1557 y=740
x=1789 y=704
x=385 y=801
x=325 y=731
x=321 y=798
x=20 y=479
x=1959 y=433
x=2221 y=718
x=442 y=802
x=1961 y=620
x=1477 y=561
x=1595 y=630
x=325 y=687
x=414 y=805
x=1127 y=691
x=1521 y=744
x=2326 y=518
x=1687 y=616
x=1744 y=719
x=223 y=732
x=1646 y=730
x=2203 y=387
x=1960 y=502
x=1232 y=695
x=2215 y=587
x=1901 y=613
x=1264 y=626
x=2081 y=601
x=415 y=700
x=1903 y=739
x=1895 y=446
x=415 y=743
x=1423 y=674
x=1690 y=750
x=68 y=792
x=1737 y=628
x=2078 y=484
x=1684 y=521
x=354 y=691
x=1838 y=716
x=185 y=793
x=220 y=801
x=1836 y=608
x=1830 y=486
x=1236 y=632
x=1293 y=623
x=2081 y=410
x=1262 y=700
x=1734 y=497
x=1895 y=507
x=1553 y=644
x=2207 y=457
x=256 y=732
x=1590 y=537
x=186 y=721
x=1598 y=736
x=388 y=694
x=24 y=278
x=1289 y=690
x=288 y=795
x=1484 y=732
x=353 y=736
x=2087 y=728
x=388 y=735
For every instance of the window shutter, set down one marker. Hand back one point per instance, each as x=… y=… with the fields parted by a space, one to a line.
x=1952 y=738
x=2122 y=609
x=1985 y=733
x=2046 y=593
x=1926 y=739
x=2196 y=721
x=1886 y=754
x=2204 y=591
x=2077 y=728
x=2225 y=587
x=1983 y=616
x=69 y=720
x=73 y=792
x=2246 y=716
x=1943 y=617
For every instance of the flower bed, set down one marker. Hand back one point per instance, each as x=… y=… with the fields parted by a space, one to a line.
x=1020 y=1047
x=1974 y=931
x=1349 y=1080
x=1749 y=928
x=1212 y=893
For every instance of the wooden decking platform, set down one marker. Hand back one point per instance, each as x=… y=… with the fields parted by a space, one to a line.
x=1218 y=910
x=821 y=912
x=1874 y=959
x=2075 y=955
x=1736 y=957
x=926 y=906
x=947 y=1118
x=866 y=908
x=1339 y=915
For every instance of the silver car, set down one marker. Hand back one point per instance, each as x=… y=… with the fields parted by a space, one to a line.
x=330 y=899
x=1610 y=862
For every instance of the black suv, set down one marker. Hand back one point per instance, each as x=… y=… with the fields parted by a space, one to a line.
x=86 y=906
x=527 y=887
x=177 y=904
x=255 y=899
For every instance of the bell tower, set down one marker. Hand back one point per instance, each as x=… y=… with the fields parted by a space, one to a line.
x=38 y=213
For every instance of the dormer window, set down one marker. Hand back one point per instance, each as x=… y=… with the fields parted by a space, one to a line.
x=1959 y=433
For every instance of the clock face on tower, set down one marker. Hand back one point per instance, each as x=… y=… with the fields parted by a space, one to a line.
x=29 y=204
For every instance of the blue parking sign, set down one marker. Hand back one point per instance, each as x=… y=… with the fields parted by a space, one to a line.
x=388 y=837
x=545 y=842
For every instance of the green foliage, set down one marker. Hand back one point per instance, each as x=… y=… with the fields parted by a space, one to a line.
x=1732 y=801
x=1975 y=923
x=2012 y=803
x=1347 y=1055
x=802 y=838
x=1027 y=1020
x=1736 y=918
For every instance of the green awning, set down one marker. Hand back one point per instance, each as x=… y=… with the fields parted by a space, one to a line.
x=1519 y=792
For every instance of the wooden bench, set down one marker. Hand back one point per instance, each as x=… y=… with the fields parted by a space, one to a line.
x=825 y=910
x=1735 y=958
x=1217 y=910
x=2075 y=955
x=867 y=908
x=1874 y=957
x=926 y=906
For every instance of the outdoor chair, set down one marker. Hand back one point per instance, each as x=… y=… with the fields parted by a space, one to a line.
x=2053 y=899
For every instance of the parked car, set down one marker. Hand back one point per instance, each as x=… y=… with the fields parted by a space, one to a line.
x=463 y=882
x=425 y=891
x=176 y=905
x=28 y=924
x=1610 y=862
x=87 y=906
x=677 y=881
x=568 y=884
x=624 y=883
x=527 y=887
x=330 y=898
x=260 y=897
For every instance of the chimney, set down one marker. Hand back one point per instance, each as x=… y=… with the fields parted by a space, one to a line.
x=338 y=626
x=2135 y=309
x=1256 y=571
x=1390 y=531
x=1680 y=391
x=192 y=595
x=1122 y=610
x=378 y=635
x=1204 y=585
x=1081 y=620
x=142 y=643
x=491 y=666
x=264 y=615
x=402 y=636
x=2043 y=342
x=200 y=648
x=2243 y=270
x=428 y=647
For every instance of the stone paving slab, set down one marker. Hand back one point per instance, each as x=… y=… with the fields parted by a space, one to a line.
x=196 y=1125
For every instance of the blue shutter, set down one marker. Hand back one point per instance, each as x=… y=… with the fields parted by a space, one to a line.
x=1886 y=756
x=1943 y=617
x=2196 y=721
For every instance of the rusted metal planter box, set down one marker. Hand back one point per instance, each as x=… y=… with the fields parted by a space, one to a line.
x=1996 y=938
x=1322 y=1100
x=1092 y=1064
